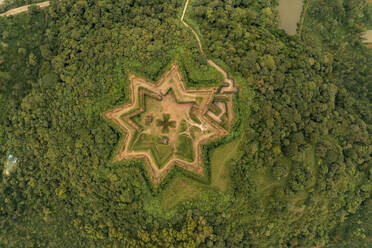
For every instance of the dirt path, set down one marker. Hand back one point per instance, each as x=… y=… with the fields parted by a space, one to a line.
x=19 y=10
x=229 y=83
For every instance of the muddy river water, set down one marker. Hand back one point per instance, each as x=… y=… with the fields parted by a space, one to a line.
x=290 y=13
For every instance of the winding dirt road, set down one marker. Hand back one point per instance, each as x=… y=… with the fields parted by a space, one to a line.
x=19 y=10
x=229 y=87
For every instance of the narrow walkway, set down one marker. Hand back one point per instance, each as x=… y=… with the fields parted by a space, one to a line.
x=22 y=9
x=228 y=82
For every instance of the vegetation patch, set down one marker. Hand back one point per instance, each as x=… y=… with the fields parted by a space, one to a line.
x=185 y=149
x=144 y=141
x=221 y=162
x=215 y=110
x=180 y=189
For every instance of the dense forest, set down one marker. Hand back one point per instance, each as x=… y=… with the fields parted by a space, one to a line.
x=301 y=178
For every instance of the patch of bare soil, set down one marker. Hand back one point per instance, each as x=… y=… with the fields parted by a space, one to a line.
x=22 y=9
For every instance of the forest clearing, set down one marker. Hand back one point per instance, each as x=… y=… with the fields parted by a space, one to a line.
x=221 y=162
x=182 y=188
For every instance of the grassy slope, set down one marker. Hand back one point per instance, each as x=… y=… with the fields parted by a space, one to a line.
x=183 y=188
x=185 y=148
x=356 y=230
x=221 y=163
x=179 y=190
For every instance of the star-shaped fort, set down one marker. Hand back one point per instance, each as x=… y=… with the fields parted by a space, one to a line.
x=166 y=124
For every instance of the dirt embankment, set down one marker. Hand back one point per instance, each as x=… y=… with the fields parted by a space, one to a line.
x=22 y=9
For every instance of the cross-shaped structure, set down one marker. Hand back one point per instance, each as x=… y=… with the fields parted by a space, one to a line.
x=166 y=123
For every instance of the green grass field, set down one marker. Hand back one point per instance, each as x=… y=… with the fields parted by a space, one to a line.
x=144 y=142
x=161 y=153
x=182 y=188
x=179 y=190
x=184 y=148
x=221 y=164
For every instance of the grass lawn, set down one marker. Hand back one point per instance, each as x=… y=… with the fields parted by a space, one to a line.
x=182 y=188
x=185 y=149
x=221 y=163
x=179 y=190
x=162 y=154
x=144 y=142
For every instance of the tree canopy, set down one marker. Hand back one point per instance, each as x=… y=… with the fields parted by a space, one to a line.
x=302 y=175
